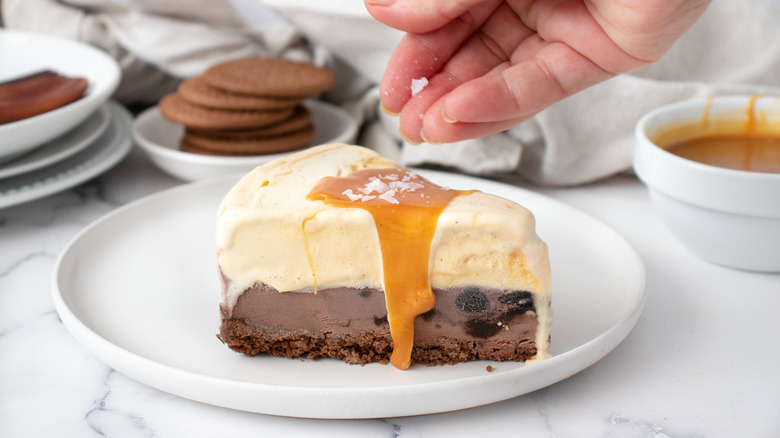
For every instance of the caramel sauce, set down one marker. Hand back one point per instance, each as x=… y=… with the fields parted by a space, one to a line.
x=735 y=151
x=746 y=141
x=405 y=208
x=309 y=257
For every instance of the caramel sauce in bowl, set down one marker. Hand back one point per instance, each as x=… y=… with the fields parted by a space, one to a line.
x=747 y=139
x=738 y=151
x=712 y=168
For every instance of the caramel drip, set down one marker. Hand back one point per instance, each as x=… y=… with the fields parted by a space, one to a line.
x=308 y=252
x=405 y=208
x=750 y=124
x=705 y=118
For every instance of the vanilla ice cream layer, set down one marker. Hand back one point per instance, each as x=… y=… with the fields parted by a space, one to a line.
x=269 y=233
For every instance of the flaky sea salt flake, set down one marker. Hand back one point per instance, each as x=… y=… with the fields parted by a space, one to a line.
x=405 y=186
x=389 y=196
x=375 y=185
x=418 y=85
x=351 y=195
x=357 y=197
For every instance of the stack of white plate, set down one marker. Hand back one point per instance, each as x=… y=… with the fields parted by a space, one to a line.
x=64 y=147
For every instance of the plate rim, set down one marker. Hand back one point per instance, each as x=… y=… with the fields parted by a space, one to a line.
x=11 y=168
x=75 y=173
x=161 y=376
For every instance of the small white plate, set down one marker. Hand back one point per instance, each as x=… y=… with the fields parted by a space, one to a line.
x=61 y=147
x=159 y=138
x=139 y=289
x=24 y=53
x=102 y=154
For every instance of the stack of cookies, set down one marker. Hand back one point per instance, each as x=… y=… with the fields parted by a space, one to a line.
x=248 y=106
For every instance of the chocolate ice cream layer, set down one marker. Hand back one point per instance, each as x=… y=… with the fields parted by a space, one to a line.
x=466 y=323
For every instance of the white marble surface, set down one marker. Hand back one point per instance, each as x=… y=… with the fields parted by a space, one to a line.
x=701 y=362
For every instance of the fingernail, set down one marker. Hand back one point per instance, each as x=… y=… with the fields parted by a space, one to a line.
x=425 y=137
x=446 y=118
x=380 y=2
x=407 y=139
x=387 y=111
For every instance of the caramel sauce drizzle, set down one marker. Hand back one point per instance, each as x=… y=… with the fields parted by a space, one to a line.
x=309 y=257
x=405 y=208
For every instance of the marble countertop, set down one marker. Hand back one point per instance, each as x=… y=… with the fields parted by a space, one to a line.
x=701 y=362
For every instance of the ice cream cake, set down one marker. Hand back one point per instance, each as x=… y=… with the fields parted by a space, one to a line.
x=337 y=252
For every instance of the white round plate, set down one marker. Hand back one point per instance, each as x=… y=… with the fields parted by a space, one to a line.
x=61 y=147
x=24 y=53
x=139 y=289
x=106 y=151
x=159 y=138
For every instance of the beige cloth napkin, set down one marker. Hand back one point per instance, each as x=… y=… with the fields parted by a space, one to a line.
x=734 y=48
x=156 y=42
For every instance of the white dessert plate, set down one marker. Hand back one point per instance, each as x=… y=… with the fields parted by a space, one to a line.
x=139 y=289
x=61 y=147
x=159 y=138
x=24 y=53
x=102 y=154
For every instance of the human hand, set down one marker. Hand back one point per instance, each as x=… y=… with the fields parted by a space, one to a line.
x=491 y=64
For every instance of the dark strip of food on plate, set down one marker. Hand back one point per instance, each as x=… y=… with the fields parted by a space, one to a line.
x=38 y=93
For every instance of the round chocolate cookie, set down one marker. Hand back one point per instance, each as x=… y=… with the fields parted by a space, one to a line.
x=301 y=118
x=274 y=77
x=179 y=110
x=185 y=146
x=252 y=145
x=198 y=91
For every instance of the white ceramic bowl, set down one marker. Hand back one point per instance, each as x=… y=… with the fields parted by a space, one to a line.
x=23 y=53
x=729 y=217
x=159 y=138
